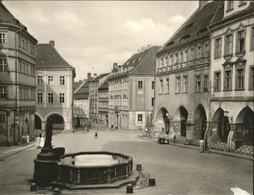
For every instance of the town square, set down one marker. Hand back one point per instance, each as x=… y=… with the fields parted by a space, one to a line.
x=116 y=97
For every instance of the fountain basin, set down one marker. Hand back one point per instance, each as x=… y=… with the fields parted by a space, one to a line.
x=88 y=168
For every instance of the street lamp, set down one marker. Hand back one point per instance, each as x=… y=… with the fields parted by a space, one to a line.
x=117 y=112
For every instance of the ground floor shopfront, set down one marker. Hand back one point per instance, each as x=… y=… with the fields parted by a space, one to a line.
x=133 y=120
x=224 y=125
x=16 y=125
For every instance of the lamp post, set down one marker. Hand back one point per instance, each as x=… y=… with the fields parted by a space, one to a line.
x=117 y=112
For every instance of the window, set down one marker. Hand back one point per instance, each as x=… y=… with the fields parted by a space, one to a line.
x=206 y=82
x=228 y=80
x=185 y=83
x=241 y=41
x=230 y=5
x=161 y=86
x=167 y=85
x=153 y=84
x=229 y=44
x=198 y=83
x=39 y=97
x=50 y=98
x=239 y=85
x=217 y=48
x=140 y=117
x=39 y=80
x=2 y=118
x=2 y=38
x=152 y=101
x=217 y=81
x=3 y=92
x=251 y=78
x=61 y=80
x=252 y=39
x=61 y=97
x=50 y=80
x=140 y=84
x=3 y=64
x=178 y=84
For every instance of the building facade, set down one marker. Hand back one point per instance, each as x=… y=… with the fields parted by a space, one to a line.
x=131 y=91
x=81 y=104
x=182 y=78
x=232 y=75
x=54 y=92
x=94 y=85
x=103 y=105
x=17 y=79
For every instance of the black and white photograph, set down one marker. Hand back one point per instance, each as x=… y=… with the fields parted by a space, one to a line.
x=126 y=97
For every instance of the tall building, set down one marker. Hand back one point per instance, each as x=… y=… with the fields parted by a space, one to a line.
x=232 y=75
x=103 y=104
x=182 y=78
x=17 y=79
x=81 y=103
x=131 y=90
x=54 y=92
x=94 y=85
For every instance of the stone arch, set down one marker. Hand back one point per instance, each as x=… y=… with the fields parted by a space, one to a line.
x=57 y=121
x=221 y=124
x=200 y=120
x=37 y=121
x=244 y=126
x=163 y=119
x=182 y=116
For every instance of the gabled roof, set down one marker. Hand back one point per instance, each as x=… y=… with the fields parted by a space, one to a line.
x=7 y=19
x=146 y=65
x=83 y=91
x=195 y=28
x=47 y=56
x=76 y=85
x=142 y=63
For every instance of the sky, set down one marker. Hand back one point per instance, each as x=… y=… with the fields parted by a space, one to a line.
x=92 y=35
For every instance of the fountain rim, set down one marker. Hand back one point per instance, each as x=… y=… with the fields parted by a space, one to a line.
x=126 y=160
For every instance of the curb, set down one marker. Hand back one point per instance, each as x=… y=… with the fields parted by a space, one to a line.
x=234 y=155
x=8 y=154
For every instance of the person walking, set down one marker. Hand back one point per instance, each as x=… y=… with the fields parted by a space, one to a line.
x=96 y=134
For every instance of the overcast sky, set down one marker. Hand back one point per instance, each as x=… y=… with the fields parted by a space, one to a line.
x=91 y=35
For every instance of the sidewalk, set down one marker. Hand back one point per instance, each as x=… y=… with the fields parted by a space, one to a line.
x=231 y=154
x=7 y=151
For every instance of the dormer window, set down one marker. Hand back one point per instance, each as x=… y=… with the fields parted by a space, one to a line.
x=241 y=3
x=230 y=5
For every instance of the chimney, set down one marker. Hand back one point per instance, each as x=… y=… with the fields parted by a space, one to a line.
x=95 y=75
x=202 y=3
x=89 y=75
x=52 y=43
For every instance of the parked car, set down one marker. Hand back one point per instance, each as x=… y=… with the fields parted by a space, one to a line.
x=163 y=138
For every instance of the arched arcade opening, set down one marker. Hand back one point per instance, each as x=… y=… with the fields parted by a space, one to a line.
x=163 y=118
x=57 y=122
x=221 y=123
x=37 y=122
x=244 y=126
x=200 y=120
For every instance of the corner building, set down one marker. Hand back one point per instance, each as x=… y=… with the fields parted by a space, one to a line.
x=131 y=91
x=232 y=76
x=182 y=78
x=54 y=92
x=17 y=79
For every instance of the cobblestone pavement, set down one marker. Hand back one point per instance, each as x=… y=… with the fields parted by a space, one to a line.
x=177 y=170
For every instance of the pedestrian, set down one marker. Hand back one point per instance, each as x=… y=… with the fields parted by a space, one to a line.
x=38 y=139
x=96 y=134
